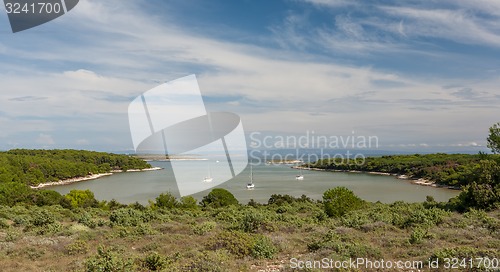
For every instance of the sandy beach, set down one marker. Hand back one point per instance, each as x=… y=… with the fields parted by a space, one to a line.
x=420 y=181
x=89 y=177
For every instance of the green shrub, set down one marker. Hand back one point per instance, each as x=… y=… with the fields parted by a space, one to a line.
x=237 y=243
x=278 y=199
x=219 y=198
x=155 y=262
x=204 y=228
x=252 y=221
x=417 y=236
x=86 y=219
x=340 y=200
x=419 y=216
x=166 y=200
x=328 y=240
x=108 y=260
x=40 y=218
x=354 y=220
x=77 y=247
x=263 y=248
x=143 y=229
x=478 y=196
x=3 y=223
x=14 y=192
x=207 y=261
x=126 y=217
x=49 y=228
x=188 y=202
x=47 y=198
x=80 y=198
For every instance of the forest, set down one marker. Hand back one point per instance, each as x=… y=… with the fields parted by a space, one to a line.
x=446 y=169
x=32 y=167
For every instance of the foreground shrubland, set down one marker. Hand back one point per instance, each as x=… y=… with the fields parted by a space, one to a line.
x=219 y=234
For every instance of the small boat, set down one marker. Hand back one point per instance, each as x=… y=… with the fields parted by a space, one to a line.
x=208 y=178
x=250 y=185
x=300 y=176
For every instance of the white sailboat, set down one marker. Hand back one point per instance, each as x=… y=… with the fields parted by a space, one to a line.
x=300 y=176
x=209 y=177
x=250 y=185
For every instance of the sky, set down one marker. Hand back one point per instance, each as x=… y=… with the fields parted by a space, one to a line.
x=419 y=75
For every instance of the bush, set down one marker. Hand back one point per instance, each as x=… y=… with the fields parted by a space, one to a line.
x=77 y=247
x=219 y=198
x=340 y=200
x=166 y=200
x=252 y=221
x=479 y=196
x=204 y=228
x=41 y=218
x=418 y=235
x=126 y=217
x=3 y=223
x=238 y=243
x=87 y=220
x=14 y=192
x=80 y=198
x=155 y=262
x=279 y=199
x=47 y=198
x=206 y=261
x=109 y=260
x=263 y=248
x=188 y=202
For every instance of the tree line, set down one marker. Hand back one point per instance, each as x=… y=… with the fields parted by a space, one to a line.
x=32 y=167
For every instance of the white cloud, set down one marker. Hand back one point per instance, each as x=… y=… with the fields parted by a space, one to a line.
x=332 y=3
x=45 y=139
x=82 y=142
x=453 y=24
x=281 y=90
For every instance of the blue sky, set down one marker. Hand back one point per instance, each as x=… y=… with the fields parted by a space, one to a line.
x=419 y=75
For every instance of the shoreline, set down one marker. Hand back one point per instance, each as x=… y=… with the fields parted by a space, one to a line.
x=90 y=177
x=419 y=181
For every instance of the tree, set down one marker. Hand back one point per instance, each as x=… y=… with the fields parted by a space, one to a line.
x=479 y=196
x=340 y=200
x=12 y=193
x=80 y=198
x=219 y=198
x=494 y=138
x=188 y=202
x=166 y=200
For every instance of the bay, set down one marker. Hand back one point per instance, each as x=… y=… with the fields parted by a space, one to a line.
x=269 y=179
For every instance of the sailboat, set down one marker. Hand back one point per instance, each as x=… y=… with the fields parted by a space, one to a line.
x=208 y=178
x=300 y=176
x=250 y=185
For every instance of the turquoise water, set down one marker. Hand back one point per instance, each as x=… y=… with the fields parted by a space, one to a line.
x=268 y=179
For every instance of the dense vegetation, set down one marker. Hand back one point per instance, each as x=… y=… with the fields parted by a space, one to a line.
x=173 y=234
x=447 y=169
x=32 y=167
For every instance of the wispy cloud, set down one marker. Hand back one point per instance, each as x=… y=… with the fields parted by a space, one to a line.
x=454 y=24
x=298 y=87
x=28 y=98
